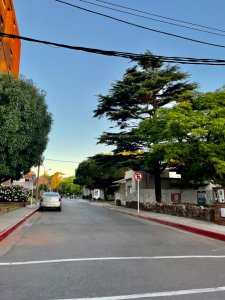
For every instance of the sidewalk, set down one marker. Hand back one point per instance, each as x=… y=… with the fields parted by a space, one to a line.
x=205 y=228
x=10 y=221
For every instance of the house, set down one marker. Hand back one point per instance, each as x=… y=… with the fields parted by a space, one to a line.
x=41 y=181
x=86 y=193
x=27 y=181
x=128 y=186
x=98 y=194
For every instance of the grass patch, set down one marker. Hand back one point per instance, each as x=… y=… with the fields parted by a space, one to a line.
x=111 y=202
x=34 y=201
x=7 y=207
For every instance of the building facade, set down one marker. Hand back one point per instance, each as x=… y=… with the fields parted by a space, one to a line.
x=9 y=48
x=127 y=190
x=27 y=181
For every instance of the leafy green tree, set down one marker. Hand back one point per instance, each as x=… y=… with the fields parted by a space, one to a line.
x=94 y=174
x=43 y=187
x=191 y=137
x=144 y=88
x=67 y=187
x=24 y=123
x=85 y=173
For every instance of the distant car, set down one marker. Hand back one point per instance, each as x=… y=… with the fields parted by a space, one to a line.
x=50 y=200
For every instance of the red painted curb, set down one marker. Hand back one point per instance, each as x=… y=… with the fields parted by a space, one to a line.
x=9 y=230
x=208 y=233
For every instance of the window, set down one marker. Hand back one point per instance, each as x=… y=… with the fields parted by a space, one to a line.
x=1 y=25
x=129 y=190
x=1 y=20
x=9 y=8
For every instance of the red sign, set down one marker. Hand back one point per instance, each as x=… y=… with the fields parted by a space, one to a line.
x=138 y=176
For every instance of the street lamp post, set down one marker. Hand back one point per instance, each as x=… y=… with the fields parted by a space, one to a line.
x=38 y=172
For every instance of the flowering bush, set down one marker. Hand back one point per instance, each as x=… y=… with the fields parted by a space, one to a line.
x=13 y=194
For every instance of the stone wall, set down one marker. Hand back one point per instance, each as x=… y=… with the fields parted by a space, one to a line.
x=183 y=210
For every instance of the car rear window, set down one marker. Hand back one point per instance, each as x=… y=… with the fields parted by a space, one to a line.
x=51 y=194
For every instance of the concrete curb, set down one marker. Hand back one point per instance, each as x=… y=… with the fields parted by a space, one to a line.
x=196 y=230
x=9 y=230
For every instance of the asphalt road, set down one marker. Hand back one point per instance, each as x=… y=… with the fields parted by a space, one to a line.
x=88 y=252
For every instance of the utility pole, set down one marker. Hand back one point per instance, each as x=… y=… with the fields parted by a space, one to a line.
x=37 y=186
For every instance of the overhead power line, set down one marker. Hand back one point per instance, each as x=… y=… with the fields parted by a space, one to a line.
x=150 y=18
x=140 y=26
x=163 y=17
x=64 y=161
x=128 y=55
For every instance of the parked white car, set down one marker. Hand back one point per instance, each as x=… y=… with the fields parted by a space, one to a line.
x=50 y=200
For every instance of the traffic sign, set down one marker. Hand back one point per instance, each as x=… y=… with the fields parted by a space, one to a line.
x=138 y=176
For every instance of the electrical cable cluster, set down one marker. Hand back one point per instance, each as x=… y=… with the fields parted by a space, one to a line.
x=64 y=161
x=140 y=26
x=128 y=55
x=154 y=19
x=160 y=16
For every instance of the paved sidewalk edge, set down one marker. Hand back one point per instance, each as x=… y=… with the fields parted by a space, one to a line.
x=9 y=230
x=196 y=230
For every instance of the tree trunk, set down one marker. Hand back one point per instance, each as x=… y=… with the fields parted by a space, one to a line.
x=157 y=178
x=105 y=194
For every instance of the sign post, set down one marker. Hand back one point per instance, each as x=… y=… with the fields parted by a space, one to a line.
x=138 y=177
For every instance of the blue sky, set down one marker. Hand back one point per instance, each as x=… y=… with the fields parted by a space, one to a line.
x=72 y=79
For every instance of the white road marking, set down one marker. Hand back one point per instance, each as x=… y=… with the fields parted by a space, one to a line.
x=35 y=262
x=156 y=294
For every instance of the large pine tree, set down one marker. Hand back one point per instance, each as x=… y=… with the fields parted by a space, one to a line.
x=144 y=88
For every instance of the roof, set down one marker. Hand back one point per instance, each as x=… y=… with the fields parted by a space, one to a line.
x=120 y=181
x=42 y=181
x=29 y=175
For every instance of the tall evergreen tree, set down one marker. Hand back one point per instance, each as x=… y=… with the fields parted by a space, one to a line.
x=144 y=88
